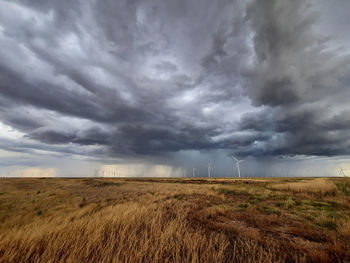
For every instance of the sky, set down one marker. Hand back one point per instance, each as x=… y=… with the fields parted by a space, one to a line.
x=162 y=88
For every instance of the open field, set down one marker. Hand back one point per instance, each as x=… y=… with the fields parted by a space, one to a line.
x=175 y=220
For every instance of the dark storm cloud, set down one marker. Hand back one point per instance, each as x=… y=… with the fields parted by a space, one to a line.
x=147 y=78
x=301 y=78
x=292 y=62
x=304 y=132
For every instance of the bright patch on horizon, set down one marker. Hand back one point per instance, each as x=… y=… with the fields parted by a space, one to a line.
x=32 y=172
x=138 y=170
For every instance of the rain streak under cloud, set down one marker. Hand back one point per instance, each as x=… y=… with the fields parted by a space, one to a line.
x=174 y=84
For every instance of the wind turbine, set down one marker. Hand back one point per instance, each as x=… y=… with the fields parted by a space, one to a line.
x=209 y=169
x=193 y=171
x=237 y=165
x=341 y=172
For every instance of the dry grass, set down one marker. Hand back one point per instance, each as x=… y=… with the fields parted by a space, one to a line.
x=121 y=233
x=322 y=185
x=345 y=229
x=119 y=220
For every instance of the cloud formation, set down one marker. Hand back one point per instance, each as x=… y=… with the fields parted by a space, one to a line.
x=134 y=78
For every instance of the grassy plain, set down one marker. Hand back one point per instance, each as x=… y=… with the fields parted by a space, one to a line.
x=175 y=220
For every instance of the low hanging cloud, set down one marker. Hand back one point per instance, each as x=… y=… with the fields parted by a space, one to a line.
x=132 y=78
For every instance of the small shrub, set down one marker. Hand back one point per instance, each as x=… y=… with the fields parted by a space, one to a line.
x=179 y=196
x=279 y=204
x=320 y=205
x=297 y=201
x=281 y=197
x=343 y=187
x=329 y=224
x=83 y=202
x=108 y=184
x=289 y=204
x=226 y=191
x=243 y=206
x=39 y=213
x=269 y=210
x=252 y=201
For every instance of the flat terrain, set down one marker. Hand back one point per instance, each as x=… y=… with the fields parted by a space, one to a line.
x=175 y=220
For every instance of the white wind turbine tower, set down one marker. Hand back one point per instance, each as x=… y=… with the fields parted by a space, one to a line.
x=237 y=165
x=209 y=169
x=341 y=172
x=193 y=171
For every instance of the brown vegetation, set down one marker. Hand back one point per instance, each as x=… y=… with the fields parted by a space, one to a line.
x=174 y=220
x=322 y=185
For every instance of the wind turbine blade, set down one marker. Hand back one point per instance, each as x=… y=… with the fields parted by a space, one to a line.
x=234 y=158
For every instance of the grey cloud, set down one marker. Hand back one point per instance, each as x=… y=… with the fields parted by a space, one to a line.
x=90 y=136
x=292 y=61
x=299 y=79
x=136 y=78
x=166 y=67
x=303 y=132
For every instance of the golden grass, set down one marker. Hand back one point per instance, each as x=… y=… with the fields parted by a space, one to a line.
x=322 y=185
x=345 y=229
x=117 y=220
x=131 y=233
x=122 y=233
